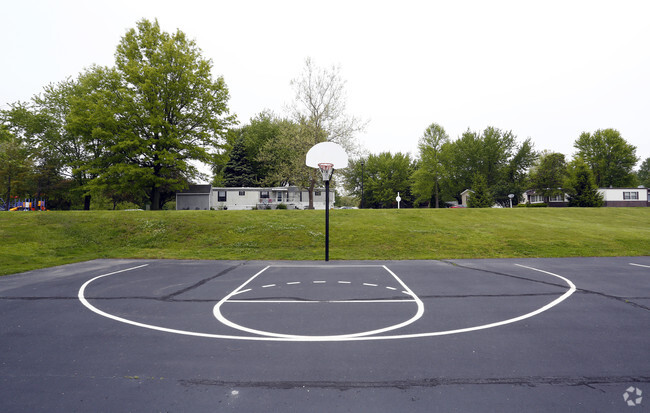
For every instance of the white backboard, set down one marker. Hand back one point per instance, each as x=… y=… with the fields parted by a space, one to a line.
x=329 y=152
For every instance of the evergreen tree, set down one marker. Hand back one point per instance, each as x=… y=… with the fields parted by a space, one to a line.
x=238 y=171
x=481 y=197
x=584 y=192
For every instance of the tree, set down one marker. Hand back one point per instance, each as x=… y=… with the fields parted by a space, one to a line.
x=96 y=119
x=514 y=177
x=15 y=166
x=260 y=135
x=239 y=171
x=385 y=175
x=480 y=197
x=582 y=188
x=173 y=110
x=549 y=174
x=41 y=126
x=609 y=156
x=284 y=157
x=495 y=155
x=643 y=174
x=320 y=108
x=430 y=171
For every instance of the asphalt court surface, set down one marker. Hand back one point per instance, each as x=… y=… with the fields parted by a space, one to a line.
x=568 y=334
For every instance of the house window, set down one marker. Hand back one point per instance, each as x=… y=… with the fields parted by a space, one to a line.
x=316 y=193
x=242 y=193
x=279 y=196
x=536 y=198
x=556 y=198
x=221 y=196
x=264 y=194
x=630 y=195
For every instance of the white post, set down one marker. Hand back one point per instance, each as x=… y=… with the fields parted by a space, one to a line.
x=398 y=199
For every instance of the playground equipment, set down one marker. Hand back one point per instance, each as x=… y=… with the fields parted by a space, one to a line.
x=28 y=204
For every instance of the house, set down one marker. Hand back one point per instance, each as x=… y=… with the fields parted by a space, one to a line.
x=206 y=197
x=464 y=197
x=195 y=197
x=612 y=197
x=621 y=197
x=559 y=200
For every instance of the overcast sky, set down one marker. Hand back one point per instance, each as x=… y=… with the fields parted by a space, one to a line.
x=547 y=70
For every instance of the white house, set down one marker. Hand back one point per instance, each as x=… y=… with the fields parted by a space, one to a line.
x=559 y=200
x=612 y=197
x=620 y=197
x=206 y=197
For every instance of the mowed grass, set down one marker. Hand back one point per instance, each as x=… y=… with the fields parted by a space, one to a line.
x=31 y=240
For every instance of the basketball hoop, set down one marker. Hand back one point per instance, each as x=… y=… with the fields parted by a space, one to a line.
x=326 y=170
x=324 y=156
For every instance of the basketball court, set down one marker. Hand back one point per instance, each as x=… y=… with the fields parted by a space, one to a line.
x=460 y=335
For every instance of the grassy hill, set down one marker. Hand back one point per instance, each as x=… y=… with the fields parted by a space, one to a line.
x=30 y=240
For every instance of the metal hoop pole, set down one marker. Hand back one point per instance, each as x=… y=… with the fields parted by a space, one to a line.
x=327 y=220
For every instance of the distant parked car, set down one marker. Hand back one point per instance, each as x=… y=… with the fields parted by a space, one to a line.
x=458 y=206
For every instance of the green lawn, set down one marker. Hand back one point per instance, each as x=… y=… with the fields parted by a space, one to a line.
x=31 y=240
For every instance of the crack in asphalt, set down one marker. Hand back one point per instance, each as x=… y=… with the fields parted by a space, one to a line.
x=625 y=300
x=210 y=300
x=519 y=277
x=427 y=382
x=200 y=283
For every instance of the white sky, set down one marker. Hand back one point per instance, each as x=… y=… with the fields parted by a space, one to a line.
x=547 y=70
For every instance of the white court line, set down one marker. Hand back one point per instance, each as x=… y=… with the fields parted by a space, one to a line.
x=293 y=282
x=326 y=266
x=322 y=301
x=345 y=282
x=370 y=285
x=219 y=316
x=82 y=299
x=640 y=265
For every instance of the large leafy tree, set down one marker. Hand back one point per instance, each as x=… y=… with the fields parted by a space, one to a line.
x=514 y=176
x=609 y=156
x=173 y=111
x=493 y=154
x=429 y=174
x=97 y=120
x=284 y=157
x=549 y=174
x=385 y=175
x=132 y=131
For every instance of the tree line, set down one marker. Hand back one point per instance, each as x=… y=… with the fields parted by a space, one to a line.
x=125 y=133
x=132 y=134
x=493 y=164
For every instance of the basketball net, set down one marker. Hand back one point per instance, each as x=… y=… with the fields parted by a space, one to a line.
x=326 y=170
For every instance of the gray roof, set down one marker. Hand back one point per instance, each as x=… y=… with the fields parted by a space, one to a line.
x=197 y=189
